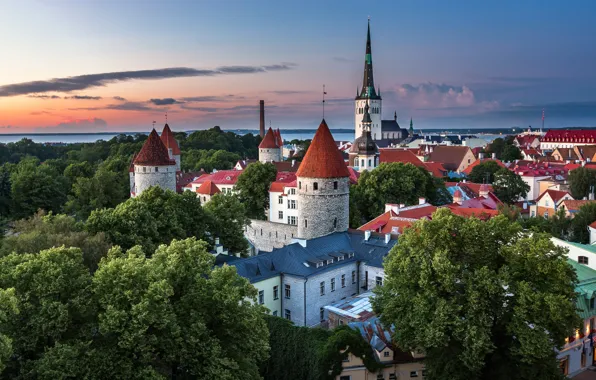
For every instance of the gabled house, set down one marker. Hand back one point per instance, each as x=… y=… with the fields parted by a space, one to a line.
x=548 y=203
x=453 y=158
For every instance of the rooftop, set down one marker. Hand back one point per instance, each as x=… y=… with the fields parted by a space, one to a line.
x=153 y=152
x=168 y=139
x=270 y=140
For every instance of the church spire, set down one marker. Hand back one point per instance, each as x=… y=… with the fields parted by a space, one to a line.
x=411 y=127
x=368 y=83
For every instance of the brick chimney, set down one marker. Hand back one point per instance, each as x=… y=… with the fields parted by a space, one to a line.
x=262 y=118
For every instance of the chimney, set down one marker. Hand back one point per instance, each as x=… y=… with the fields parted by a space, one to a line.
x=483 y=191
x=481 y=156
x=387 y=238
x=367 y=235
x=293 y=163
x=402 y=205
x=421 y=200
x=494 y=155
x=262 y=118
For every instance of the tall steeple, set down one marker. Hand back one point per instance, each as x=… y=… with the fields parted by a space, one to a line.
x=411 y=127
x=368 y=82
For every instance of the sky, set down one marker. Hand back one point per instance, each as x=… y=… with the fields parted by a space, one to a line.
x=109 y=66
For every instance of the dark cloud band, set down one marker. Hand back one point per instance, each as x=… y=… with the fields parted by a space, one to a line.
x=82 y=82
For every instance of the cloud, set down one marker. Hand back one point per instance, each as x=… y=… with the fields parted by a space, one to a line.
x=82 y=82
x=125 y=106
x=83 y=97
x=119 y=98
x=81 y=123
x=433 y=95
x=290 y=92
x=5 y=126
x=44 y=96
x=212 y=98
x=37 y=113
x=164 y=101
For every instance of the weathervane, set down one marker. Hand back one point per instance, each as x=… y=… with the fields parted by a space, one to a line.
x=324 y=93
x=166 y=117
x=153 y=124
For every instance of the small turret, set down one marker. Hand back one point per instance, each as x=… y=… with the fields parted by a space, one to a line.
x=153 y=166
x=168 y=139
x=269 y=148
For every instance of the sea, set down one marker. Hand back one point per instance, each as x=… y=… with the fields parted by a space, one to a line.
x=288 y=135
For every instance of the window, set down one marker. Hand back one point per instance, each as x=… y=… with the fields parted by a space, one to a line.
x=332 y=284
x=343 y=280
x=293 y=191
x=275 y=292
x=288 y=315
x=322 y=286
x=291 y=204
x=315 y=186
x=280 y=214
x=386 y=354
x=334 y=185
x=288 y=291
x=299 y=185
x=274 y=313
x=345 y=360
x=380 y=376
x=392 y=376
x=156 y=169
x=345 y=377
x=533 y=213
x=546 y=215
x=369 y=163
x=423 y=373
x=330 y=261
x=320 y=264
x=582 y=260
x=261 y=297
x=280 y=200
x=340 y=258
x=350 y=255
x=335 y=224
x=353 y=277
x=144 y=169
x=292 y=220
x=413 y=373
x=379 y=281
x=322 y=314
x=305 y=223
x=362 y=163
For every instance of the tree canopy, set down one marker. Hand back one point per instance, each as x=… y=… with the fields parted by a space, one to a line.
x=509 y=186
x=227 y=219
x=511 y=153
x=484 y=172
x=580 y=182
x=252 y=188
x=472 y=295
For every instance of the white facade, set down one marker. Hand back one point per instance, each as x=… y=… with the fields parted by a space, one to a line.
x=366 y=162
x=269 y=155
x=592 y=234
x=532 y=181
x=283 y=206
x=147 y=176
x=375 y=116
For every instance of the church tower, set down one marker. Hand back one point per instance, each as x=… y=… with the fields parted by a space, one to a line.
x=364 y=154
x=323 y=188
x=368 y=95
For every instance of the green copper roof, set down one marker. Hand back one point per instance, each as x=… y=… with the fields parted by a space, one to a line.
x=587 y=247
x=586 y=288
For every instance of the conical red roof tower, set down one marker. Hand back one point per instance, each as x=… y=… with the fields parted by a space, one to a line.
x=153 y=152
x=269 y=141
x=323 y=159
x=168 y=139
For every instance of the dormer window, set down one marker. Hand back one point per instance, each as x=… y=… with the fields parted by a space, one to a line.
x=350 y=255
x=320 y=264
x=330 y=261
x=228 y=178
x=340 y=258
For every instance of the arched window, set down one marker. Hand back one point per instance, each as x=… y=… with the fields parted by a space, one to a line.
x=369 y=163
x=362 y=163
x=315 y=186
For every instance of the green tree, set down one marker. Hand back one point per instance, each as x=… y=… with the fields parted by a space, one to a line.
x=497 y=147
x=484 y=172
x=579 y=224
x=35 y=187
x=390 y=183
x=226 y=219
x=8 y=307
x=41 y=232
x=252 y=188
x=5 y=189
x=77 y=170
x=155 y=217
x=580 y=181
x=209 y=159
x=472 y=295
x=175 y=314
x=509 y=187
x=511 y=153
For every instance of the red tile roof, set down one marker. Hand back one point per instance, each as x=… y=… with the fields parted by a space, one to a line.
x=436 y=169
x=208 y=188
x=399 y=155
x=387 y=222
x=593 y=225
x=480 y=213
x=283 y=180
x=555 y=195
x=279 y=140
x=323 y=159
x=222 y=177
x=468 y=170
x=451 y=156
x=575 y=136
x=269 y=141
x=526 y=140
x=417 y=212
x=354 y=175
x=183 y=179
x=153 y=152
x=573 y=205
x=168 y=139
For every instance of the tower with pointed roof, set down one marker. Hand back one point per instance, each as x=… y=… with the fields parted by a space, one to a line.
x=368 y=95
x=168 y=139
x=270 y=147
x=152 y=166
x=364 y=154
x=323 y=188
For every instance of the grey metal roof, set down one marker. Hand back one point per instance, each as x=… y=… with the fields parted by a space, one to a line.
x=294 y=259
x=392 y=126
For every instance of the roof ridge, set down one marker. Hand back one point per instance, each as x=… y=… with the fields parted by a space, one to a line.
x=154 y=152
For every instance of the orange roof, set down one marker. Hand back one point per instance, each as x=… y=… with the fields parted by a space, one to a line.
x=208 y=188
x=399 y=155
x=436 y=169
x=418 y=212
x=153 y=152
x=168 y=139
x=593 y=225
x=269 y=141
x=323 y=159
x=575 y=205
x=387 y=223
x=468 y=170
x=479 y=213
x=555 y=195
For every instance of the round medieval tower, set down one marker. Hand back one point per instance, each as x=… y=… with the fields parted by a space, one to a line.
x=153 y=166
x=269 y=149
x=323 y=188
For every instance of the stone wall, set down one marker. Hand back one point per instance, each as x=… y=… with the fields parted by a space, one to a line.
x=269 y=155
x=295 y=304
x=147 y=176
x=265 y=235
x=373 y=273
x=324 y=210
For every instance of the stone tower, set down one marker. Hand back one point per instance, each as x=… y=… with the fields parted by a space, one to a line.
x=368 y=95
x=168 y=139
x=153 y=166
x=269 y=148
x=364 y=154
x=323 y=188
